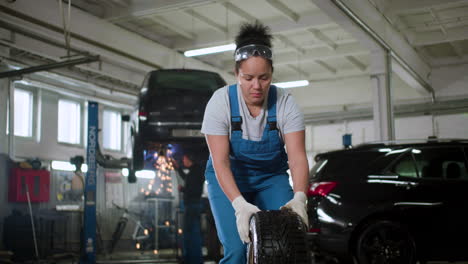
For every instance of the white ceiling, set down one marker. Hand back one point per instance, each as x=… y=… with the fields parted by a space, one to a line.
x=308 y=44
x=311 y=41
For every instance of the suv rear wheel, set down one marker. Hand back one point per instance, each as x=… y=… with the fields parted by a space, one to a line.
x=385 y=242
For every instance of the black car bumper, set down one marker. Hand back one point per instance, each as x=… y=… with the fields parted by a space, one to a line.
x=336 y=246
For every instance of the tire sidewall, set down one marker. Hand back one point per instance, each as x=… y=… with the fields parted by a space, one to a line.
x=373 y=227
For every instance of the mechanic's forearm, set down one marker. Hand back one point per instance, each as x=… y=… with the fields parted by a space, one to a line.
x=295 y=145
x=300 y=173
x=226 y=179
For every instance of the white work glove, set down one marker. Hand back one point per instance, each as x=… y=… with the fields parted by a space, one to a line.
x=244 y=211
x=298 y=205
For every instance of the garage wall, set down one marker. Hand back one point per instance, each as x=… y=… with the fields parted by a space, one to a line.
x=111 y=186
x=321 y=138
x=44 y=144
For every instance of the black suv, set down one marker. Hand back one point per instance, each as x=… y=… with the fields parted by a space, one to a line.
x=170 y=110
x=391 y=202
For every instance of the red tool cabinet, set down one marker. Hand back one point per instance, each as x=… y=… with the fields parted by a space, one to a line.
x=37 y=181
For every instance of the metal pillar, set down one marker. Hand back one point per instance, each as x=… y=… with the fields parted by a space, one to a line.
x=4 y=97
x=11 y=119
x=89 y=224
x=384 y=128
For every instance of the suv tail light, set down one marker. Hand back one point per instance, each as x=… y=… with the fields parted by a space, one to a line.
x=142 y=115
x=321 y=188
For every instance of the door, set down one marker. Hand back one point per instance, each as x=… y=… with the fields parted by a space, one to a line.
x=440 y=197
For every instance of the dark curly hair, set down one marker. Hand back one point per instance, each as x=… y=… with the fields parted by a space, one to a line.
x=253 y=33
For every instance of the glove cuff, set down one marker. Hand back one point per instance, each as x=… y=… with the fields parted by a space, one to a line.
x=300 y=196
x=237 y=202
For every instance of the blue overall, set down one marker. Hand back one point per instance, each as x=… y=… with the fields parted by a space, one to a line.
x=259 y=169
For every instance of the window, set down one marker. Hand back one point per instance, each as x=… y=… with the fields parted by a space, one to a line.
x=23 y=111
x=69 y=122
x=442 y=163
x=112 y=130
x=406 y=167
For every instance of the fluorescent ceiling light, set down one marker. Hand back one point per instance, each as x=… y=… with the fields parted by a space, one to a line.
x=67 y=166
x=292 y=84
x=145 y=174
x=204 y=51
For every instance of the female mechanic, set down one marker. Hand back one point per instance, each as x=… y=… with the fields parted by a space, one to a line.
x=246 y=126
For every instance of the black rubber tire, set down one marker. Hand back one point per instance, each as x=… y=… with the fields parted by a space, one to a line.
x=277 y=237
x=385 y=242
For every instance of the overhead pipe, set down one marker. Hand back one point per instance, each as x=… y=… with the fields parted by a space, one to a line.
x=50 y=66
x=345 y=9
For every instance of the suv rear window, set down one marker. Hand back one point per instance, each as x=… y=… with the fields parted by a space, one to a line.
x=343 y=165
x=427 y=162
x=169 y=82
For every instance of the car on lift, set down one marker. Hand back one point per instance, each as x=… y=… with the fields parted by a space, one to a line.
x=171 y=105
x=394 y=202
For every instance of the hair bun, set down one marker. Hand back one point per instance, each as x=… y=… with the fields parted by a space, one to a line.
x=255 y=33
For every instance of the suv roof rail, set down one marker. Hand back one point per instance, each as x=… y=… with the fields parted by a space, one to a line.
x=412 y=141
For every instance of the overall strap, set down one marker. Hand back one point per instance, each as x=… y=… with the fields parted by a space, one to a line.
x=236 y=119
x=272 y=108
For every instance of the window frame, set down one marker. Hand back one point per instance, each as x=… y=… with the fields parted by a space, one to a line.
x=443 y=172
x=405 y=156
x=122 y=127
x=81 y=121
x=34 y=114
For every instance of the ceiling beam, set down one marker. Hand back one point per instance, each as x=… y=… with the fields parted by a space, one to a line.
x=322 y=54
x=290 y=43
x=404 y=75
x=278 y=26
x=52 y=50
x=356 y=62
x=284 y=10
x=206 y=20
x=404 y=6
x=143 y=8
x=436 y=37
x=449 y=61
x=87 y=34
x=323 y=38
x=171 y=26
x=326 y=66
x=135 y=28
x=368 y=26
x=122 y=3
x=238 y=11
x=457 y=48
x=297 y=69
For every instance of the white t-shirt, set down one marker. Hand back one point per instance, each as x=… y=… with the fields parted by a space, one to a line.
x=217 y=119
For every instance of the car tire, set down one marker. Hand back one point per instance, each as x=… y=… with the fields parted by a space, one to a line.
x=385 y=242
x=277 y=236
